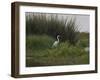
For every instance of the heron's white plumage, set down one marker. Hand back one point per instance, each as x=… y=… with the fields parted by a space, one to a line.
x=55 y=44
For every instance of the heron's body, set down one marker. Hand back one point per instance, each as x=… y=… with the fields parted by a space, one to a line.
x=55 y=44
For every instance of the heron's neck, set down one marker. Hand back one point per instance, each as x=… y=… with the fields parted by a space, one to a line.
x=57 y=39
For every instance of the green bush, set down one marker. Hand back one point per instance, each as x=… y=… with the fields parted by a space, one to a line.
x=39 y=42
x=84 y=39
x=84 y=43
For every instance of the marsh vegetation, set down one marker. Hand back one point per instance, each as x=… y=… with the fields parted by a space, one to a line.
x=41 y=32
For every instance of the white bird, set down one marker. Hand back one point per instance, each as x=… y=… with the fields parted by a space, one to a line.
x=55 y=44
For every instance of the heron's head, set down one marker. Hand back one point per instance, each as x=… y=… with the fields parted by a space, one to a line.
x=58 y=36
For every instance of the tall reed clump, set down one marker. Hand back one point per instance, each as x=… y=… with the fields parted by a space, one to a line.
x=52 y=25
x=72 y=32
